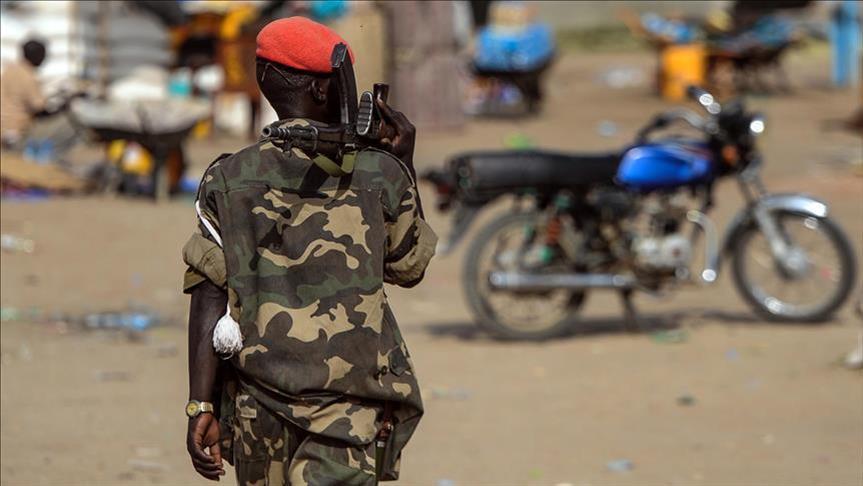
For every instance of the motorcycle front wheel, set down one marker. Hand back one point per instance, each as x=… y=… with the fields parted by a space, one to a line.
x=503 y=245
x=810 y=293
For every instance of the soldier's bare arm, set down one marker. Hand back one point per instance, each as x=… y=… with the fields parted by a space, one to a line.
x=208 y=304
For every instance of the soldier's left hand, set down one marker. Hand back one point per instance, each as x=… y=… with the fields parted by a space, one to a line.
x=399 y=134
x=203 y=433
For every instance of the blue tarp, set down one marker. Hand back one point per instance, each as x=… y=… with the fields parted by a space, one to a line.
x=768 y=32
x=674 y=31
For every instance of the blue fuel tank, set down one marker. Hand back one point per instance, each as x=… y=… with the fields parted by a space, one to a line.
x=665 y=165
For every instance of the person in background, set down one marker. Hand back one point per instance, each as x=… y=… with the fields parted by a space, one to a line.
x=21 y=95
x=846 y=43
x=479 y=10
x=29 y=121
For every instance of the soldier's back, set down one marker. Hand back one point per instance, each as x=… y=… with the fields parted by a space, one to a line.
x=305 y=255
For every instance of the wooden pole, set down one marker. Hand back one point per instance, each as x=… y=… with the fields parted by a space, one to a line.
x=103 y=15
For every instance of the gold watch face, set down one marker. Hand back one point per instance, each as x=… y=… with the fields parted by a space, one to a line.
x=192 y=409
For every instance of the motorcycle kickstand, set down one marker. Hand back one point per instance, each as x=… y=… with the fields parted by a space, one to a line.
x=630 y=319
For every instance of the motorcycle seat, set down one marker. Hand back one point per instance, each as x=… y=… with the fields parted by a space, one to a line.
x=512 y=169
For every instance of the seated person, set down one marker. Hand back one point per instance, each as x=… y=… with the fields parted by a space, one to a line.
x=26 y=119
x=21 y=95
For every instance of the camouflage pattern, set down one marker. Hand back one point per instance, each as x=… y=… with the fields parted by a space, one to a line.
x=308 y=245
x=269 y=450
x=205 y=260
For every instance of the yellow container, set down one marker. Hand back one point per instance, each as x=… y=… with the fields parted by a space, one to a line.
x=681 y=66
x=202 y=129
x=131 y=157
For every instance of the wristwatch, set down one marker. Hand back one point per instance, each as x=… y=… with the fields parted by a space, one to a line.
x=195 y=408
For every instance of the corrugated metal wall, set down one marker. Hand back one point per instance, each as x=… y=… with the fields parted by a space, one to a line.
x=86 y=39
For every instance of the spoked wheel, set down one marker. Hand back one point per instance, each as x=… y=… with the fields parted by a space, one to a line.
x=811 y=284
x=510 y=243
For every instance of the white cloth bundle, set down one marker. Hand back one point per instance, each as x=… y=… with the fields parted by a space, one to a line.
x=227 y=338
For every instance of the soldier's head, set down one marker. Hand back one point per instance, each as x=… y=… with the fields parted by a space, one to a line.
x=294 y=71
x=33 y=52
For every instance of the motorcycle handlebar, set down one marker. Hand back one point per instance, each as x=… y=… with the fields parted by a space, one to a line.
x=704 y=98
x=695 y=92
x=664 y=119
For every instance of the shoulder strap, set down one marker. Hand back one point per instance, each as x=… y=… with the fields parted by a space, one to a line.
x=205 y=221
x=334 y=169
x=402 y=165
x=208 y=225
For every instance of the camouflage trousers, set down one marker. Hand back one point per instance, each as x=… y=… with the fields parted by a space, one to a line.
x=270 y=451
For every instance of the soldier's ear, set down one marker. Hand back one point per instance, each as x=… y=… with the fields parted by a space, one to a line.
x=319 y=88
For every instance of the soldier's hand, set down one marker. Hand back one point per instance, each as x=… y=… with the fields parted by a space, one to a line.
x=399 y=133
x=203 y=433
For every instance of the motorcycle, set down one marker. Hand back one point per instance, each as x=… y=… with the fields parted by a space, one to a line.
x=619 y=221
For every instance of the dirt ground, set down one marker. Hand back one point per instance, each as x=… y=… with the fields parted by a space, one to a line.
x=738 y=401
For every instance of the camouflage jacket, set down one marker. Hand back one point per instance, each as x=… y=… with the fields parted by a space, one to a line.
x=308 y=245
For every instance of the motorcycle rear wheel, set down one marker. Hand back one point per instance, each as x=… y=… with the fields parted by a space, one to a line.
x=835 y=272
x=548 y=314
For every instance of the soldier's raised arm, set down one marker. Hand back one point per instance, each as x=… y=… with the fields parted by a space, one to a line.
x=410 y=240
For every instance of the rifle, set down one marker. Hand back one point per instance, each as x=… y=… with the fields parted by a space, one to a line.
x=361 y=125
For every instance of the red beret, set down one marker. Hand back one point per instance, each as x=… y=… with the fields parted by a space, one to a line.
x=299 y=43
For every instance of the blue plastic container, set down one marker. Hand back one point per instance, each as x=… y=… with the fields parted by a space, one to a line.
x=664 y=166
x=514 y=50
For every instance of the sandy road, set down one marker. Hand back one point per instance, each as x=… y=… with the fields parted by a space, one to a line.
x=737 y=402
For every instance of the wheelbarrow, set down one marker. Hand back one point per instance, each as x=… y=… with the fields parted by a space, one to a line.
x=160 y=126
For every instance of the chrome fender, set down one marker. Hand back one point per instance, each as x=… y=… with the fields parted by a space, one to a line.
x=792 y=202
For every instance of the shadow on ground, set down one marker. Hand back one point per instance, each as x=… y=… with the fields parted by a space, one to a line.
x=469 y=331
x=646 y=324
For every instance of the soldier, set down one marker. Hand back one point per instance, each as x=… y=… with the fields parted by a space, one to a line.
x=298 y=245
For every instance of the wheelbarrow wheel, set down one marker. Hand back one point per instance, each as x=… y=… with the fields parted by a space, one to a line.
x=161 y=183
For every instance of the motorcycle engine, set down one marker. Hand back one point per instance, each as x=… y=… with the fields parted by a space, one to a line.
x=663 y=248
x=663 y=253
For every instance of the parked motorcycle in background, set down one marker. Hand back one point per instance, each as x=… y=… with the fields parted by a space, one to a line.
x=629 y=222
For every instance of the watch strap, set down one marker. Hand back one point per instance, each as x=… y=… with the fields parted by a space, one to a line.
x=196 y=407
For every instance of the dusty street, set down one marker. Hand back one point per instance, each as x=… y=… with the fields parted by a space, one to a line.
x=736 y=401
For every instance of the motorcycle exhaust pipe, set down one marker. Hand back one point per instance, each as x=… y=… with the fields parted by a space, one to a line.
x=573 y=281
